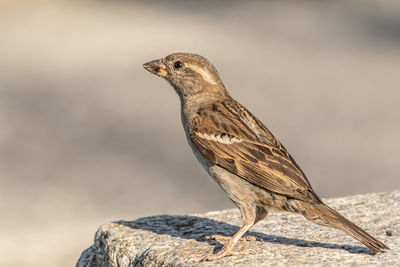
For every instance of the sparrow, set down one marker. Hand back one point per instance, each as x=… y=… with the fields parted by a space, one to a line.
x=252 y=167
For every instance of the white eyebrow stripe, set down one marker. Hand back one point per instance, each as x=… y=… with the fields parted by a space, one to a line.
x=203 y=72
x=226 y=139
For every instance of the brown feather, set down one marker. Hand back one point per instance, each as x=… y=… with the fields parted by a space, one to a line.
x=259 y=157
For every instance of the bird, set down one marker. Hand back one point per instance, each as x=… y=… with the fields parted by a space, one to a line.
x=239 y=152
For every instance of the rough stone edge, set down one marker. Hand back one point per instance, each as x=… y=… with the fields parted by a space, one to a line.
x=99 y=253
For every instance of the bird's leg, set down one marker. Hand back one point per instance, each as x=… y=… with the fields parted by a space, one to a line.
x=226 y=250
x=261 y=213
x=249 y=217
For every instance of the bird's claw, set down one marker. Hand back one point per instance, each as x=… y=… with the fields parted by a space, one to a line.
x=221 y=254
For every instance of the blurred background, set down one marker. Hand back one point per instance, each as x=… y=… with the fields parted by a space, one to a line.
x=87 y=136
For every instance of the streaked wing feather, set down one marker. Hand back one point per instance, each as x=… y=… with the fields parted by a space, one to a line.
x=257 y=157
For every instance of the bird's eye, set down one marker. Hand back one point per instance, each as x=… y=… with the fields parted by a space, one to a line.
x=178 y=65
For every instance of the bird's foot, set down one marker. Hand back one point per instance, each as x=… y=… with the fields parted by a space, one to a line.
x=223 y=253
x=223 y=238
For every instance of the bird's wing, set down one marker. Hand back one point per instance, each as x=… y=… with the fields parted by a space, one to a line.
x=230 y=136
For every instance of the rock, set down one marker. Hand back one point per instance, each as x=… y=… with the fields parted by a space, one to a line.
x=281 y=239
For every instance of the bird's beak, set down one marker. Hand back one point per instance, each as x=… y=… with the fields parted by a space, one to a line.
x=156 y=67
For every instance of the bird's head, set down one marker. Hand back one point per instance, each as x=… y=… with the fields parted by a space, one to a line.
x=191 y=75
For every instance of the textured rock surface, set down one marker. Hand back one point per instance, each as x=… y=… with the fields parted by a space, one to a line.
x=281 y=239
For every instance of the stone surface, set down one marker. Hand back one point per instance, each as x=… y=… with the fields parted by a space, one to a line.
x=281 y=239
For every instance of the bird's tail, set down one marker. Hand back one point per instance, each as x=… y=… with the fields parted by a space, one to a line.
x=322 y=214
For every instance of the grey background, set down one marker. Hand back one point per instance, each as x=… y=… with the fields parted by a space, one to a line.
x=88 y=136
